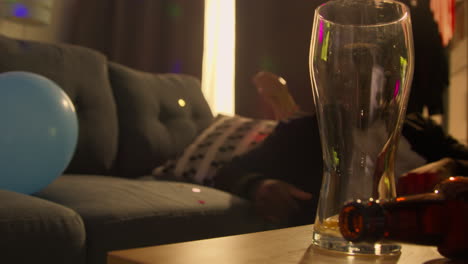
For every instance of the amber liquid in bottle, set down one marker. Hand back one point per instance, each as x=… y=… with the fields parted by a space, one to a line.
x=439 y=218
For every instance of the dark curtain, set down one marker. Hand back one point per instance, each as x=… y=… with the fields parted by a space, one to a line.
x=150 y=35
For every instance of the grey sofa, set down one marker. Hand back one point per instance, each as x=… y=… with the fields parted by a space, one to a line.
x=129 y=123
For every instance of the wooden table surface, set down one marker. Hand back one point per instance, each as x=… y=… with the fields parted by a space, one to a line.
x=289 y=245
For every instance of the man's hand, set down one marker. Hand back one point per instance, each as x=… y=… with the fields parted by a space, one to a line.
x=425 y=178
x=277 y=201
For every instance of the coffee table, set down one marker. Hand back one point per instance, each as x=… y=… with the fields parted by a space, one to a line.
x=289 y=245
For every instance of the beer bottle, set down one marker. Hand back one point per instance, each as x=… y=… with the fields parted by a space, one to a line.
x=439 y=218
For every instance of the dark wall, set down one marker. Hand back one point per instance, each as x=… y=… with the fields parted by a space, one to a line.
x=273 y=35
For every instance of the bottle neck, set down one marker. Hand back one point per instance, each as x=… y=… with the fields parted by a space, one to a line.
x=413 y=219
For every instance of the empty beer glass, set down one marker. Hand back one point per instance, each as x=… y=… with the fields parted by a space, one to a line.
x=361 y=66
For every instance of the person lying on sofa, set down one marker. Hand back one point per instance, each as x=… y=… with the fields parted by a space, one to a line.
x=283 y=175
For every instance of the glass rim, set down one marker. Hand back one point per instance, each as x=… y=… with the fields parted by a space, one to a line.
x=404 y=15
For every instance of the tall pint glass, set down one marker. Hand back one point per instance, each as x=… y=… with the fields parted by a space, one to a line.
x=361 y=67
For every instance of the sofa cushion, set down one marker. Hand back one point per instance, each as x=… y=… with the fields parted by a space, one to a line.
x=225 y=138
x=33 y=230
x=126 y=213
x=159 y=115
x=82 y=74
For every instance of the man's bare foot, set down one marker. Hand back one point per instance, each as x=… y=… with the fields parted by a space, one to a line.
x=276 y=92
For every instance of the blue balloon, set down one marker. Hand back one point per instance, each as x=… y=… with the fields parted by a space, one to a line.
x=38 y=131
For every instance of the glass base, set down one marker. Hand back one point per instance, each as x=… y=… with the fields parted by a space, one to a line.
x=330 y=242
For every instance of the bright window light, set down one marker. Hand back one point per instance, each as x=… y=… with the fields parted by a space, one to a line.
x=218 y=55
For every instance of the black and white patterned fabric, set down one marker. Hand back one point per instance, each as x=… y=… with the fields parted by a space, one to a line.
x=225 y=138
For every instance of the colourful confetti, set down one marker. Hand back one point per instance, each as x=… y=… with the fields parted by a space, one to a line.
x=267 y=64
x=176 y=67
x=174 y=10
x=20 y=10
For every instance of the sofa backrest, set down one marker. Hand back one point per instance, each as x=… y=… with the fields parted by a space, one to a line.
x=82 y=74
x=159 y=115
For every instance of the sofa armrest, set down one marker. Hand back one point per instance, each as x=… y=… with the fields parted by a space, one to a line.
x=34 y=230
